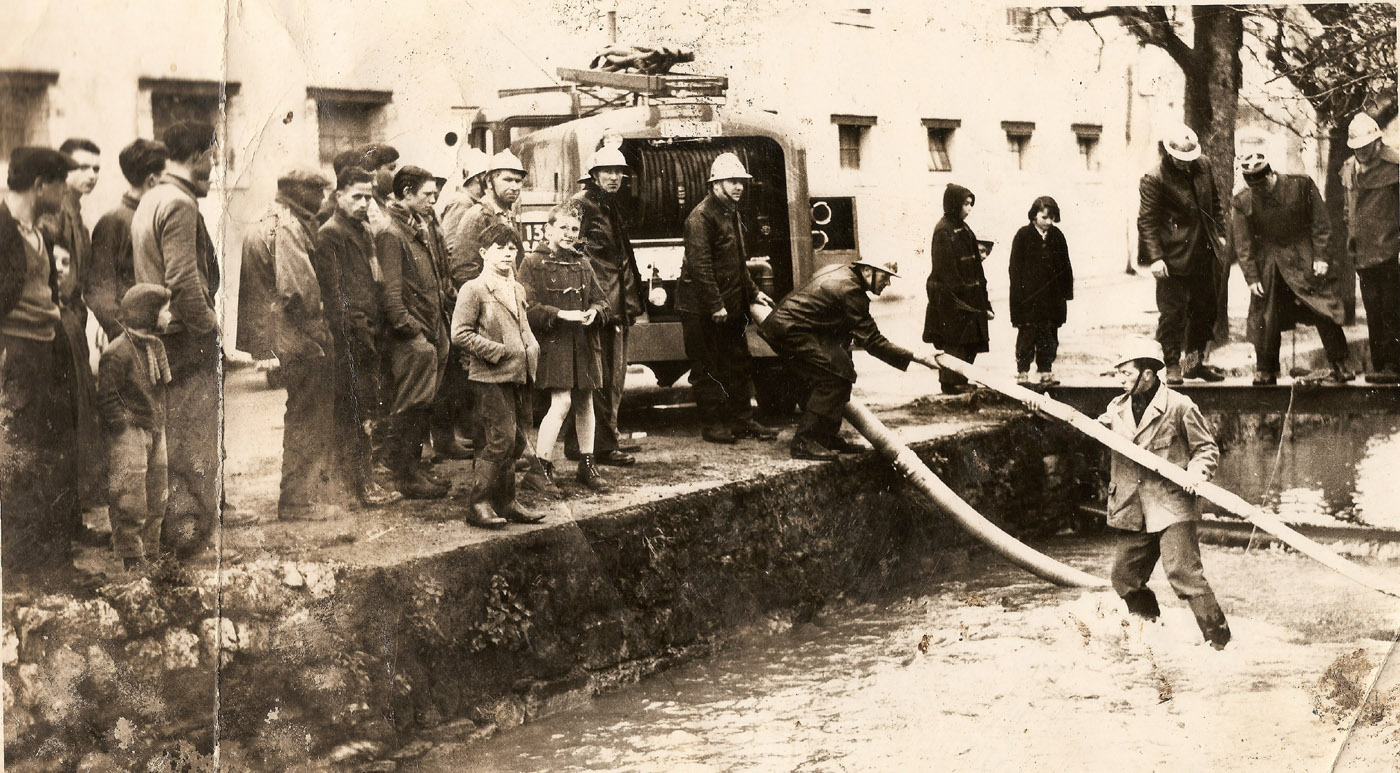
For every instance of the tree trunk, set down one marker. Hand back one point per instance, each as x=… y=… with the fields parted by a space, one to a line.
x=1338 y=152
x=1212 y=102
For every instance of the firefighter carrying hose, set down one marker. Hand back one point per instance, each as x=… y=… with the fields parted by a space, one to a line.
x=812 y=330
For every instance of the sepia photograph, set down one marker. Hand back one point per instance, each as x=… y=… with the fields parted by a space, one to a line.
x=808 y=386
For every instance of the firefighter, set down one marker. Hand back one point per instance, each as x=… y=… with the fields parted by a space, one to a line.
x=713 y=297
x=812 y=330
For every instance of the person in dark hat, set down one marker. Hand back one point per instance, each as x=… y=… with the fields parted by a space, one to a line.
x=142 y=163
x=132 y=379
x=1157 y=518
x=381 y=161
x=813 y=329
x=38 y=466
x=171 y=247
x=958 y=307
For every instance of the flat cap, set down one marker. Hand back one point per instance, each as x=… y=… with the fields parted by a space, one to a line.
x=304 y=177
x=29 y=163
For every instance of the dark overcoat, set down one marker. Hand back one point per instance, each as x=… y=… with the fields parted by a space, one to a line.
x=957 y=287
x=1179 y=216
x=1041 y=277
x=607 y=246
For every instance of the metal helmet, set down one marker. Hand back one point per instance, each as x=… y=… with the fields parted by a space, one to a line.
x=890 y=268
x=506 y=161
x=727 y=166
x=472 y=161
x=1362 y=132
x=1182 y=143
x=1254 y=163
x=605 y=157
x=1146 y=351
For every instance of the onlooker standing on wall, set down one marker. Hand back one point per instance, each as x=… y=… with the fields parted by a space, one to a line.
x=1042 y=281
x=112 y=274
x=1371 y=178
x=606 y=244
x=958 y=308
x=415 y=328
x=1181 y=241
x=713 y=297
x=132 y=381
x=490 y=322
x=38 y=444
x=348 y=271
x=1280 y=225
x=566 y=310
x=171 y=247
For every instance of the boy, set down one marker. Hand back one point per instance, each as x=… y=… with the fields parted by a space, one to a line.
x=132 y=379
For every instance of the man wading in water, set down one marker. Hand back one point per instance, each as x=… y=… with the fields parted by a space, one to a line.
x=1158 y=518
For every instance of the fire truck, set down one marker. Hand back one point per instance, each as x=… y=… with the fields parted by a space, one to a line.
x=670 y=128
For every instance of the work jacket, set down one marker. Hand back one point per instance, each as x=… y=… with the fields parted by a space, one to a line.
x=1180 y=219
x=818 y=322
x=1286 y=230
x=714 y=274
x=171 y=247
x=957 y=287
x=412 y=288
x=1041 y=277
x=1173 y=428
x=111 y=273
x=570 y=354
x=299 y=326
x=490 y=323
x=348 y=271
x=605 y=242
x=1373 y=209
x=464 y=239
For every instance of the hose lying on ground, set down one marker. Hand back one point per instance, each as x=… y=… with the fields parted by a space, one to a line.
x=1230 y=503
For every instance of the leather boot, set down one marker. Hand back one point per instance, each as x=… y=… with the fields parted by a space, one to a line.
x=1211 y=620
x=539 y=478
x=1193 y=366
x=400 y=448
x=1173 y=374
x=483 y=515
x=588 y=475
x=1340 y=374
x=371 y=494
x=1143 y=603
x=446 y=445
x=518 y=513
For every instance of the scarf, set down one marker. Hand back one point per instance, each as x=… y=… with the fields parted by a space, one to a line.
x=154 y=349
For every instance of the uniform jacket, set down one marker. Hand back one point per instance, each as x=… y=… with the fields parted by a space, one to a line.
x=412 y=288
x=570 y=354
x=1041 y=277
x=1179 y=216
x=464 y=239
x=126 y=393
x=818 y=322
x=490 y=323
x=1372 y=211
x=111 y=273
x=171 y=247
x=348 y=270
x=714 y=274
x=1173 y=428
x=957 y=287
x=1286 y=229
x=606 y=244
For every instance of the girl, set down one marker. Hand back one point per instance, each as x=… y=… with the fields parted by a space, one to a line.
x=566 y=310
x=958 y=308
x=1041 y=283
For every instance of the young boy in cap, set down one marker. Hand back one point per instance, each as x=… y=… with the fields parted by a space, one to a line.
x=131 y=382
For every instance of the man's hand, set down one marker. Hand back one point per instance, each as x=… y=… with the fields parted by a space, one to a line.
x=589 y=316
x=1193 y=480
x=1158 y=269
x=762 y=298
x=720 y=316
x=929 y=360
x=1320 y=268
x=1256 y=289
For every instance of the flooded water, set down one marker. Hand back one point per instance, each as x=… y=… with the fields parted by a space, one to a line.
x=993 y=670
x=1341 y=473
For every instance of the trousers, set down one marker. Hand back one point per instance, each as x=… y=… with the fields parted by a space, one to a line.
x=1177 y=548
x=136 y=490
x=1380 y=292
x=1186 y=307
x=505 y=413
x=307 y=431
x=1039 y=341
x=721 y=371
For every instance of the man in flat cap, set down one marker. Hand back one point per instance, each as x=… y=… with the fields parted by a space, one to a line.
x=1371 y=179
x=38 y=443
x=142 y=163
x=171 y=247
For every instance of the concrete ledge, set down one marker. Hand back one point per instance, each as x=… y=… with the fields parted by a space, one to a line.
x=327 y=661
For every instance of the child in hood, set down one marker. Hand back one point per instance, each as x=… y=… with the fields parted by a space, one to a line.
x=131 y=383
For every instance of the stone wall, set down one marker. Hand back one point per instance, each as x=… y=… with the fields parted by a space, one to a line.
x=364 y=665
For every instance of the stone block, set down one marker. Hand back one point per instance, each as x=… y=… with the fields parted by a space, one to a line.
x=219 y=637
x=180 y=649
x=144 y=657
x=138 y=605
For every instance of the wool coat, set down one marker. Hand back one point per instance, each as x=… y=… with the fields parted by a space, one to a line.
x=607 y=246
x=490 y=323
x=957 y=287
x=1180 y=218
x=570 y=354
x=1041 y=277
x=412 y=288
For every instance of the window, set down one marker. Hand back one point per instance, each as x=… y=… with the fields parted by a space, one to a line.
x=1087 y=135
x=1018 y=140
x=174 y=100
x=1024 y=22
x=346 y=119
x=24 y=109
x=940 y=139
x=850 y=135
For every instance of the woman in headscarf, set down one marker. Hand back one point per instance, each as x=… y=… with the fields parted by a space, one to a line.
x=958 y=308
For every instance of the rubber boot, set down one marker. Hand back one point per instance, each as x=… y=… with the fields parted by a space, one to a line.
x=1211 y=620
x=1143 y=603
x=400 y=450
x=1193 y=366
x=1173 y=374
x=588 y=475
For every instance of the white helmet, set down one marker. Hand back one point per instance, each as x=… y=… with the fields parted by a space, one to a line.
x=727 y=166
x=1182 y=143
x=472 y=161
x=506 y=161
x=605 y=157
x=1362 y=132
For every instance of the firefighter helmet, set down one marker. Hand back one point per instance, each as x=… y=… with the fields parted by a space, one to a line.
x=727 y=166
x=506 y=161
